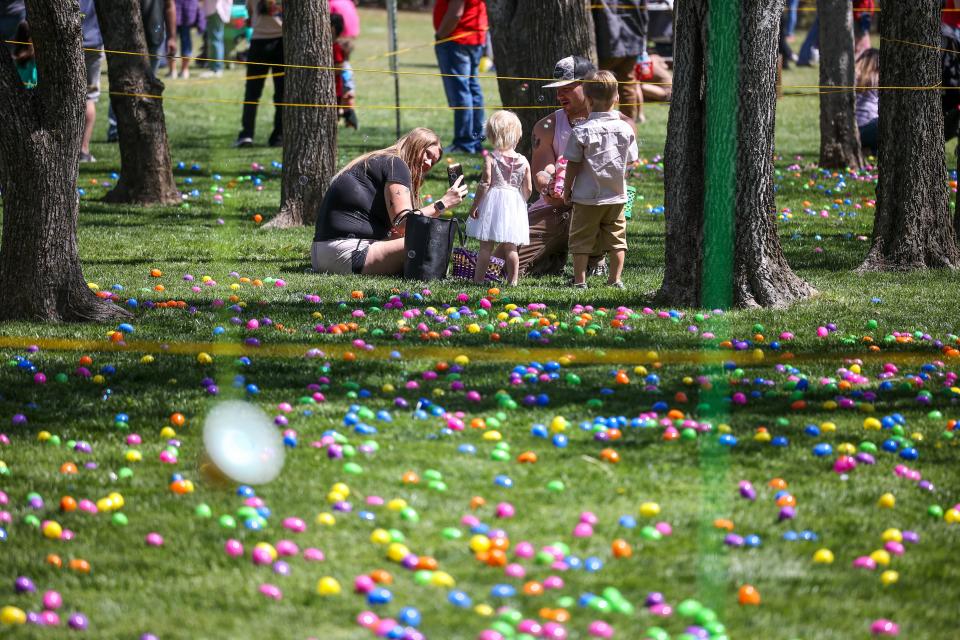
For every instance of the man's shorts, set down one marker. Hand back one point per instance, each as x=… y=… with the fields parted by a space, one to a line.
x=343 y=256
x=91 y=60
x=598 y=226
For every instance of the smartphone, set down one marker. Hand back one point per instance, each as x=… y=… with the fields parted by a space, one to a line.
x=454 y=171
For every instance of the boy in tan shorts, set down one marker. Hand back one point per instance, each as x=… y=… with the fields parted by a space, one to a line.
x=598 y=155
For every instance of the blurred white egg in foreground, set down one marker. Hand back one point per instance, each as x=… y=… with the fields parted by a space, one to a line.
x=242 y=443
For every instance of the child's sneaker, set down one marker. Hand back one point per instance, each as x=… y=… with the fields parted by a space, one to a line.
x=617 y=285
x=579 y=285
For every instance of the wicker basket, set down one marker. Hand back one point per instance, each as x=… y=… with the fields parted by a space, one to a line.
x=465 y=265
x=628 y=208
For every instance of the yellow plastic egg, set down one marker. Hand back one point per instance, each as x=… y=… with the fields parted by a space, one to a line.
x=147 y=359
x=462 y=360
x=889 y=577
x=388 y=388
x=167 y=432
x=43 y=436
x=380 y=536
x=133 y=456
x=649 y=509
x=492 y=436
x=872 y=424
x=830 y=405
x=328 y=586
x=762 y=436
x=442 y=579
x=397 y=504
x=204 y=358
x=892 y=535
x=881 y=557
x=828 y=427
x=952 y=516
x=823 y=556
x=484 y=610
x=641 y=370
x=98 y=379
x=397 y=552
x=326 y=519
x=724 y=428
x=52 y=530
x=558 y=424
x=13 y=615
x=887 y=501
x=335 y=496
x=846 y=448
x=479 y=543
x=341 y=487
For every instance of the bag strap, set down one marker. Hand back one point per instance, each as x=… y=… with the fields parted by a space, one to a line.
x=404 y=214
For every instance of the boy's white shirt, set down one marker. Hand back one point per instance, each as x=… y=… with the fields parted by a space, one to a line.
x=605 y=145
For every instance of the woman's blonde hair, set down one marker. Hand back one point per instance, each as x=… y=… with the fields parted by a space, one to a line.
x=868 y=70
x=504 y=130
x=411 y=149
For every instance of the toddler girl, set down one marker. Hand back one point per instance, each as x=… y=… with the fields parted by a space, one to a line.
x=499 y=213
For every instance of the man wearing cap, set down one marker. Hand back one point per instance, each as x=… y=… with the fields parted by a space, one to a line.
x=549 y=217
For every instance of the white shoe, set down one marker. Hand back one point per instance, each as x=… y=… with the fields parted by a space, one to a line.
x=185 y=74
x=172 y=74
x=212 y=74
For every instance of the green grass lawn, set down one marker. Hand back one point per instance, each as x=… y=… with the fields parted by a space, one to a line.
x=190 y=588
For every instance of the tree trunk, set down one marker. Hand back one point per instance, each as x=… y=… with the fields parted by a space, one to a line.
x=309 y=134
x=549 y=33
x=839 y=136
x=912 y=227
x=146 y=176
x=40 y=275
x=762 y=276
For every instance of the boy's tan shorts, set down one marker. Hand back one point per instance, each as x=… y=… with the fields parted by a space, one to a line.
x=598 y=227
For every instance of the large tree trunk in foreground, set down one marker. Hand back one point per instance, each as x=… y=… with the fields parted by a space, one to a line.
x=839 y=136
x=40 y=275
x=146 y=176
x=762 y=276
x=912 y=227
x=309 y=134
x=565 y=28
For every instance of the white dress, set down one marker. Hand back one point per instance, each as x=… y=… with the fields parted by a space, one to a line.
x=502 y=216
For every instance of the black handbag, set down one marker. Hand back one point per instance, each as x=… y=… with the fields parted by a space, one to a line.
x=428 y=243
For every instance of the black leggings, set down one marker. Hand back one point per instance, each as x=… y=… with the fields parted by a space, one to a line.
x=269 y=52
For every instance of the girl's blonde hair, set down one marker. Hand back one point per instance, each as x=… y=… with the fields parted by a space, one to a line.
x=411 y=149
x=504 y=130
x=868 y=70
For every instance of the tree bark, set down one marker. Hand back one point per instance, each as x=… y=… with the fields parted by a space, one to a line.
x=549 y=33
x=146 y=175
x=839 y=136
x=912 y=227
x=40 y=274
x=762 y=276
x=310 y=134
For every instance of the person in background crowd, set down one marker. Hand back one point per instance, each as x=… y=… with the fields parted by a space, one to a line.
x=160 y=28
x=343 y=78
x=189 y=15
x=791 y=19
x=461 y=32
x=92 y=57
x=218 y=14
x=23 y=56
x=950 y=61
x=351 y=18
x=862 y=20
x=621 y=31
x=12 y=13
x=868 y=98
x=266 y=52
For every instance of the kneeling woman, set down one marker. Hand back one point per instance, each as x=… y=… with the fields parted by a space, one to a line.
x=356 y=230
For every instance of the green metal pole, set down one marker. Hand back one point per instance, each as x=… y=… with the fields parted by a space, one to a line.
x=719 y=206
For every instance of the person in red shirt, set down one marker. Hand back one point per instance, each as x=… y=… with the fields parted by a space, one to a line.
x=862 y=20
x=461 y=32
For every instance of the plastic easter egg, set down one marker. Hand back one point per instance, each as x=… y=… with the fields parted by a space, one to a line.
x=328 y=586
x=823 y=556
